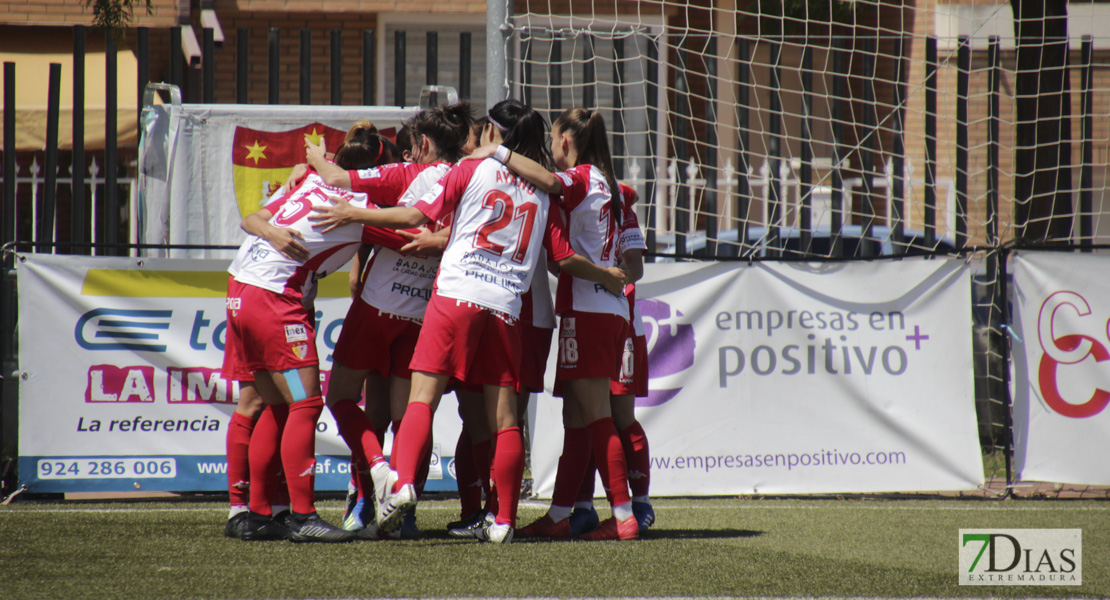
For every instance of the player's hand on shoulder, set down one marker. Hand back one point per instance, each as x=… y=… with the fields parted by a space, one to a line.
x=483 y=152
x=296 y=176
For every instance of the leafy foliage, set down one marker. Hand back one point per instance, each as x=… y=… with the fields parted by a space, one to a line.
x=115 y=15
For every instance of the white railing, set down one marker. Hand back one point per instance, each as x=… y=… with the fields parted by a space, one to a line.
x=759 y=185
x=36 y=181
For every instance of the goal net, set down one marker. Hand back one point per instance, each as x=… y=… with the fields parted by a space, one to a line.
x=826 y=128
x=829 y=129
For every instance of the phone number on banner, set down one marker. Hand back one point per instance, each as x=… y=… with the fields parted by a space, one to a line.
x=106 y=468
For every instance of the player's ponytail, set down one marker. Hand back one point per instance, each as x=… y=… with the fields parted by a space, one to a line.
x=448 y=128
x=587 y=131
x=362 y=148
x=522 y=130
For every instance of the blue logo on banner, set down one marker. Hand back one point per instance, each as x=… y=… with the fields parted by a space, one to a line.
x=122 y=329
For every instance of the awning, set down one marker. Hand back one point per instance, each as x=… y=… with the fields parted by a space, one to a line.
x=36 y=50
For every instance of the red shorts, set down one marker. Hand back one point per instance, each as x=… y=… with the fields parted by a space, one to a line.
x=633 y=380
x=591 y=345
x=376 y=341
x=266 y=332
x=536 y=345
x=469 y=343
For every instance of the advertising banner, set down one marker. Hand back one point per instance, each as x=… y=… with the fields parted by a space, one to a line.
x=203 y=167
x=799 y=378
x=120 y=385
x=1061 y=373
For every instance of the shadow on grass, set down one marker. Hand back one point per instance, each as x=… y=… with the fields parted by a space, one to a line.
x=699 y=534
x=664 y=534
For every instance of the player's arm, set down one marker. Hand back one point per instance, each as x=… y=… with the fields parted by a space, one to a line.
x=340 y=213
x=632 y=261
x=284 y=240
x=424 y=242
x=521 y=165
x=613 y=278
x=354 y=279
x=332 y=174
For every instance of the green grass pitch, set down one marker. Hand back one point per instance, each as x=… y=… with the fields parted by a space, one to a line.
x=780 y=548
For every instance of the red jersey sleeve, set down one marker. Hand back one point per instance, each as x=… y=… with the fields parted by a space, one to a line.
x=555 y=238
x=385 y=184
x=576 y=183
x=441 y=201
x=382 y=236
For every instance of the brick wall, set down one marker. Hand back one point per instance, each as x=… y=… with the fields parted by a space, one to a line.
x=73 y=12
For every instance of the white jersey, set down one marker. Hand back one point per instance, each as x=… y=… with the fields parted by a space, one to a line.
x=398 y=284
x=500 y=223
x=594 y=235
x=631 y=238
x=260 y=264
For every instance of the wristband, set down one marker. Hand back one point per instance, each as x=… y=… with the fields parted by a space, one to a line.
x=502 y=154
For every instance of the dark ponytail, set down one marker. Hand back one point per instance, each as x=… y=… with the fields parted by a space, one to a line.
x=447 y=126
x=523 y=130
x=362 y=148
x=587 y=129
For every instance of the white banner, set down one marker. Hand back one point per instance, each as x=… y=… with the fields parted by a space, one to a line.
x=120 y=383
x=797 y=378
x=1061 y=371
x=203 y=167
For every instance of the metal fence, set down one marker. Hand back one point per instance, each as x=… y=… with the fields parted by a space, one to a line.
x=102 y=197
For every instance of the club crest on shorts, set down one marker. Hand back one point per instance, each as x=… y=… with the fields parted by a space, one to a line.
x=566 y=327
x=296 y=332
x=300 y=350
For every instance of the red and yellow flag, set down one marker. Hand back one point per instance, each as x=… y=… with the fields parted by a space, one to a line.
x=262 y=160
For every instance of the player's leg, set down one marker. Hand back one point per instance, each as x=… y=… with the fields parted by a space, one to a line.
x=356 y=429
x=592 y=397
x=239 y=431
x=508 y=460
x=410 y=445
x=637 y=455
x=300 y=389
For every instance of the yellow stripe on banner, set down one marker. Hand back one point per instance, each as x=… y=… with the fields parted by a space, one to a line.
x=182 y=284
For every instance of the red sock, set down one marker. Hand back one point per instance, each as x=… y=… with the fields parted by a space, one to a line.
x=483 y=461
x=610 y=461
x=577 y=450
x=589 y=480
x=356 y=429
x=238 y=458
x=491 y=494
x=412 y=441
x=265 y=459
x=466 y=477
x=635 y=444
x=508 y=469
x=280 y=489
x=298 y=453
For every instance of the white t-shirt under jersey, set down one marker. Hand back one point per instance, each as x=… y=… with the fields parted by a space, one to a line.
x=399 y=284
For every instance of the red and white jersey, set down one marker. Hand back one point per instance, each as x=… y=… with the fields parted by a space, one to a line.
x=385 y=184
x=500 y=223
x=398 y=284
x=537 y=307
x=631 y=237
x=260 y=264
x=594 y=235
